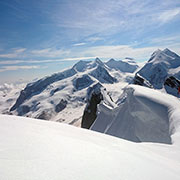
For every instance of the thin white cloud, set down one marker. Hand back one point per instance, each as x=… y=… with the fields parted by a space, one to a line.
x=8 y=55
x=94 y=39
x=49 y=52
x=15 y=68
x=44 y=61
x=167 y=40
x=121 y=51
x=11 y=62
x=107 y=17
x=15 y=53
x=79 y=44
x=21 y=50
x=168 y=15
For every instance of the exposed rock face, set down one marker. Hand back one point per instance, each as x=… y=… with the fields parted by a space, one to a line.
x=139 y=80
x=61 y=105
x=90 y=115
x=82 y=82
x=172 y=86
x=172 y=82
x=45 y=115
x=95 y=97
x=96 y=94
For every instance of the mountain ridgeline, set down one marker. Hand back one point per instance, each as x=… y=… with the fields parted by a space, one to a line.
x=72 y=96
x=53 y=97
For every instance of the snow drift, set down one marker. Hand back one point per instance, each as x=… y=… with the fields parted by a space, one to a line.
x=42 y=150
x=143 y=115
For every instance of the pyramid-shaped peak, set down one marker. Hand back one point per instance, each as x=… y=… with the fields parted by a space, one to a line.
x=169 y=52
x=112 y=60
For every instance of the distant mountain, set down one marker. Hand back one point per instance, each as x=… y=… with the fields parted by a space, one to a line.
x=127 y=65
x=62 y=96
x=160 y=66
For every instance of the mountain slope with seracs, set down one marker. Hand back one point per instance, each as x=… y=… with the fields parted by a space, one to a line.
x=62 y=96
x=39 y=150
x=143 y=115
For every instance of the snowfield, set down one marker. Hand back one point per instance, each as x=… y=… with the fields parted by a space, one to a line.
x=42 y=150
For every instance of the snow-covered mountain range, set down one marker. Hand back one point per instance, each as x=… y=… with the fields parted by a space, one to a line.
x=136 y=105
x=62 y=96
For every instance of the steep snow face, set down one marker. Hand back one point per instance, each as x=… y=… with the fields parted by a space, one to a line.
x=127 y=65
x=41 y=150
x=61 y=96
x=102 y=75
x=161 y=65
x=143 y=115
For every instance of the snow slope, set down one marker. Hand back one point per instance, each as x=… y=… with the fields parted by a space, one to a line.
x=42 y=150
x=8 y=95
x=143 y=115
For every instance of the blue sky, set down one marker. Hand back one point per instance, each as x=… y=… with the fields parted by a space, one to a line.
x=41 y=37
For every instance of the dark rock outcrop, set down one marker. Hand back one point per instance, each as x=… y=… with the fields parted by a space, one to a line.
x=172 y=85
x=172 y=82
x=60 y=106
x=139 y=80
x=45 y=115
x=90 y=113
x=82 y=82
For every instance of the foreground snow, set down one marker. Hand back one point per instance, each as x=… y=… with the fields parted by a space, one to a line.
x=41 y=150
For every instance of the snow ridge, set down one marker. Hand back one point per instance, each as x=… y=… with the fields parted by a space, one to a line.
x=145 y=115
